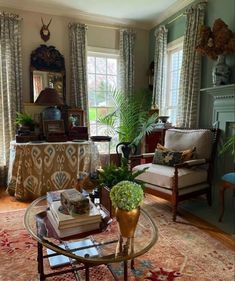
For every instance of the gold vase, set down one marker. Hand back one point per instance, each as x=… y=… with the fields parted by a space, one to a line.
x=127 y=221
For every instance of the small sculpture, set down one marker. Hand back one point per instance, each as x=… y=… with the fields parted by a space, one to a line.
x=44 y=32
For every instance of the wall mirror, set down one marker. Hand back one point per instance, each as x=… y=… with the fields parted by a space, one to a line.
x=47 y=70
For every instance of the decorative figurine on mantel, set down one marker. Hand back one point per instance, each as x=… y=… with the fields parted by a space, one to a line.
x=216 y=44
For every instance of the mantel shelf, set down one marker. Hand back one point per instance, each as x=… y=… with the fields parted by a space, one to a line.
x=218 y=88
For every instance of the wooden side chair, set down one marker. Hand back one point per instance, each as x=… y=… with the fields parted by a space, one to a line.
x=228 y=181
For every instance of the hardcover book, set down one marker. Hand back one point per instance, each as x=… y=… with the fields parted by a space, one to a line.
x=62 y=219
x=70 y=231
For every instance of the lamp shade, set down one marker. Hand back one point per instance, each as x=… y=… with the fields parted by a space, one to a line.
x=49 y=97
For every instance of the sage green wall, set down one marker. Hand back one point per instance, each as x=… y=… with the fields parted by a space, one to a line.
x=224 y=9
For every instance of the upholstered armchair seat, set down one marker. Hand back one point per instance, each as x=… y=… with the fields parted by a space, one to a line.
x=188 y=178
x=163 y=176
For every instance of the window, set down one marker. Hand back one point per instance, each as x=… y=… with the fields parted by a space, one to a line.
x=174 y=62
x=102 y=71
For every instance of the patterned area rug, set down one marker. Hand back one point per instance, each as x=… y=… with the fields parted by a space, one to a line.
x=182 y=253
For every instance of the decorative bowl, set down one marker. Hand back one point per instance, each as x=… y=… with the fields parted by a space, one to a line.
x=163 y=119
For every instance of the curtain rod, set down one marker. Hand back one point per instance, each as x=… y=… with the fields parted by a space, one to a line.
x=103 y=26
x=183 y=13
x=175 y=18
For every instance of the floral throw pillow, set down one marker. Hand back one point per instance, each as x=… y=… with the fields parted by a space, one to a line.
x=167 y=158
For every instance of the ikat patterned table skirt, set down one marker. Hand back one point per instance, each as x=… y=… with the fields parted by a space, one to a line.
x=36 y=168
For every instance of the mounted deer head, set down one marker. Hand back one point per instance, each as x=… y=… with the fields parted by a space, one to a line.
x=44 y=32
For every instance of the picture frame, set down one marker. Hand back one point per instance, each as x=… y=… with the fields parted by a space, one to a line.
x=75 y=118
x=53 y=127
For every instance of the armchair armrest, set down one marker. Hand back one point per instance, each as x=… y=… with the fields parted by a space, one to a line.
x=191 y=163
x=141 y=159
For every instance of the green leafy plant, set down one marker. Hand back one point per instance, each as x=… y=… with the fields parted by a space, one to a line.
x=229 y=145
x=127 y=195
x=112 y=174
x=24 y=119
x=130 y=118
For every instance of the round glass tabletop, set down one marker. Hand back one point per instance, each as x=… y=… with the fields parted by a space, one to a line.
x=102 y=246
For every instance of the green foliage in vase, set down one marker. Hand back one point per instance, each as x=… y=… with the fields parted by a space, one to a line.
x=127 y=195
x=112 y=174
x=130 y=118
x=24 y=119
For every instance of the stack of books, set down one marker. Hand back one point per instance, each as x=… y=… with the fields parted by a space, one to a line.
x=67 y=225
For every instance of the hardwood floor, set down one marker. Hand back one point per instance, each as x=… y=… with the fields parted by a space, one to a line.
x=9 y=203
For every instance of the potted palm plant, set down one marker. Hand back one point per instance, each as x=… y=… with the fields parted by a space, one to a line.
x=130 y=118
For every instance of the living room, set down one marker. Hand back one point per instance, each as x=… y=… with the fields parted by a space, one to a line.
x=214 y=107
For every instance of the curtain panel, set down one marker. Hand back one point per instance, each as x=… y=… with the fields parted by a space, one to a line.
x=10 y=84
x=188 y=100
x=127 y=60
x=78 y=60
x=159 y=79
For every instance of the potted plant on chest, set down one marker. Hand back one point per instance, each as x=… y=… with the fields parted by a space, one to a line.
x=24 y=121
x=130 y=119
x=126 y=197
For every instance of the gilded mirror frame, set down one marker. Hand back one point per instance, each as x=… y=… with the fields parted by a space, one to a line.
x=47 y=60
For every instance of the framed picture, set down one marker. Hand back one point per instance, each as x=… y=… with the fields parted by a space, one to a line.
x=53 y=127
x=75 y=117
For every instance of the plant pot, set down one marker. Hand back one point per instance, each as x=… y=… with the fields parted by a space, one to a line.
x=127 y=221
x=106 y=201
x=126 y=148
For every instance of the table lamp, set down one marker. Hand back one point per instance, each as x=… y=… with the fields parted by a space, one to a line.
x=51 y=98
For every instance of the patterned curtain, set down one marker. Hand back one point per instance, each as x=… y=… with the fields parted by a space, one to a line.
x=187 y=113
x=159 y=79
x=78 y=55
x=10 y=84
x=127 y=63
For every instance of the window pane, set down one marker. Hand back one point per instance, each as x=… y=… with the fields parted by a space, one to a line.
x=100 y=99
x=92 y=98
x=92 y=114
x=101 y=65
x=112 y=66
x=91 y=65
x=112 y=81
x=100 y=84
x=91 y=82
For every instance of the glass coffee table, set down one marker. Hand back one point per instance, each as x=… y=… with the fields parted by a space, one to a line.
x=82 y=251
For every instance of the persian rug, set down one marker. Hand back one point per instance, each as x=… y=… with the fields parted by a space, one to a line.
x=183 y=252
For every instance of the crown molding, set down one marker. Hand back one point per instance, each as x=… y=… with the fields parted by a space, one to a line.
x=83 y=17
x=173 y=9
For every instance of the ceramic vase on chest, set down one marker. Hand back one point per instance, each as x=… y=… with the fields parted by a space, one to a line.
x=221 y=72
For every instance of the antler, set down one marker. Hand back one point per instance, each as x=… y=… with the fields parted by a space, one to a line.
x=42 y=21
x=49 y=23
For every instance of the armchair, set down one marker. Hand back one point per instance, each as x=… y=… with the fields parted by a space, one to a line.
x=187 y=178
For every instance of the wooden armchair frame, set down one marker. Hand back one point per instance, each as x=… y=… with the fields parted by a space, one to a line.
x=175 y=197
